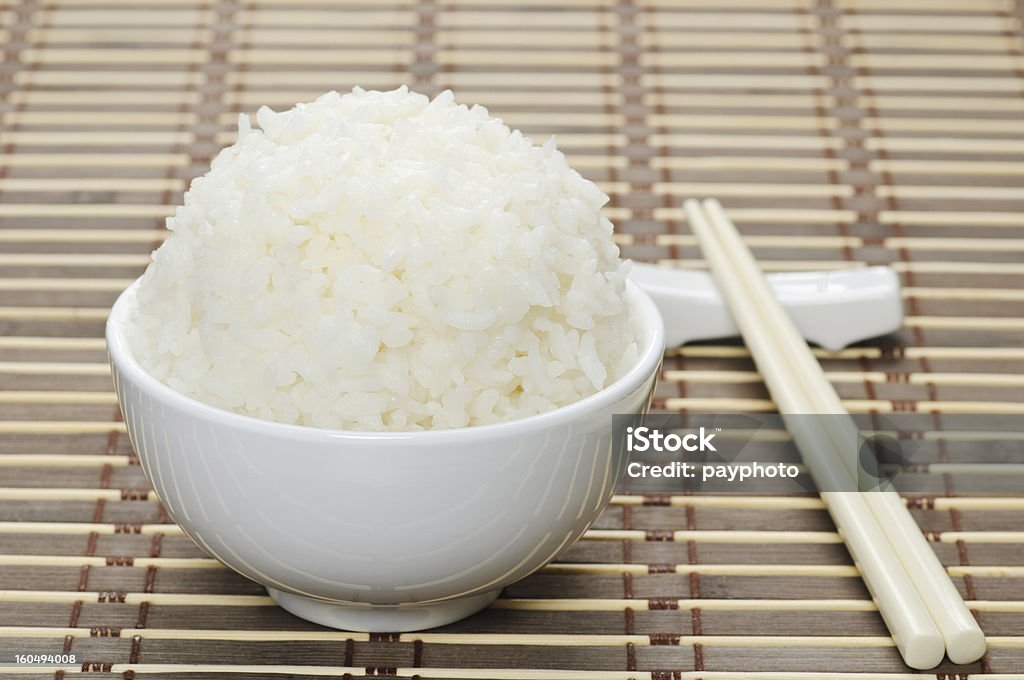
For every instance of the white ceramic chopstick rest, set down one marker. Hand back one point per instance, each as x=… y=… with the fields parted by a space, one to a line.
x=832 y=309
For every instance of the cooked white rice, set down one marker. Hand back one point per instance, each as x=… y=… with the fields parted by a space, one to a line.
x=381 y=261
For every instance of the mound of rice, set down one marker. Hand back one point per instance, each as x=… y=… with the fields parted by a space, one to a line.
x=381 y=261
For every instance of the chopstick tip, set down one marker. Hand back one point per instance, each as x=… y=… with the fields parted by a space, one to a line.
x=713 y=204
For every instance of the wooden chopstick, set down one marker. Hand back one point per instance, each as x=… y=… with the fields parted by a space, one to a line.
x=906 y=615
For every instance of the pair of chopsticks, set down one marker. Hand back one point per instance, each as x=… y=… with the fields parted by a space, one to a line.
x=923 y=610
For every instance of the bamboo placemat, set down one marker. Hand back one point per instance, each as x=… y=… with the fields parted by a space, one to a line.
x=838 y=133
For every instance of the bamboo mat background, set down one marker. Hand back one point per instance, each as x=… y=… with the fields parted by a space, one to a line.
x=838 y=133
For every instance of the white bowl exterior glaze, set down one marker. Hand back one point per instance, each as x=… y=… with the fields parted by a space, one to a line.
x=381 y=518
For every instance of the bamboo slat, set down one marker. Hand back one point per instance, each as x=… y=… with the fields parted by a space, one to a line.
x=74 y=259
x=93 y=55
x=77 y=284
x=92 y=184
x=95 y=98
x=126 y=78
x=93 y=160
x=83 y=210
x=498 y=639
x=59 y=344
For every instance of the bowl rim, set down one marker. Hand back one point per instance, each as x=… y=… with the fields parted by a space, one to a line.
x=652 y=348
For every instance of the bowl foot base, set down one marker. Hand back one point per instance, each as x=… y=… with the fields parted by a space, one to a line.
x=396 y=618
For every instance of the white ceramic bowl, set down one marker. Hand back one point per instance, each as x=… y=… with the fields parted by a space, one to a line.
x=381 y=531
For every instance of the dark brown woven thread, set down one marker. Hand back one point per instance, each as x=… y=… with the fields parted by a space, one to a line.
x=97 y=515
x=155 y=548
x=891 y=352
x=156 y=544
x=417 y=655
x=664 y=638
x=424 y=65
x=836 y=70
x=633 y=108
x=892 y=204
x=850 y=130
x=150 y=582
x=954 y=520
x=219 y=49
x=91 y=540
x=658 y=535
x=242 y=45
x=922 y=502
x=693 y=557
x=24 y=13
x=607 y=90
x=120 y=561
x=656 y=603
x=631 y=656
x=627 y=545
x=94 y=667
x=384 y=637
x=104 y=631
x=1014 y=38
x=628 y=614
x=114 y=435
x=90 y=545
x=76 y=611
x=140 y=622
x=664 y=151
x=869 y=386
x=350 y=652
